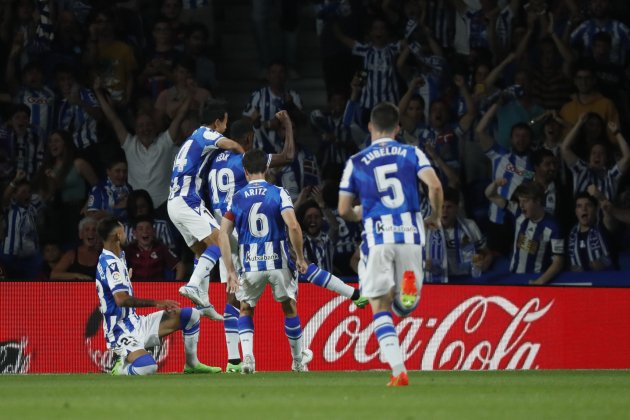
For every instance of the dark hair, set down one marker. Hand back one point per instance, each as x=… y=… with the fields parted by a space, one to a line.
x=66 y=68
x=586 y=195
x=301 y=211
x=106 y=226
x=213 y=111
x=451 y=195
x=255 y=161
x=140 y=219
x=132 y=205
x=20 y=108
x=162 y=19
x=187 y=62
x=240 y=129
x=32 y=65
x=384 y=117
x=521 y=126
x=195 y=27
x=530 y=189
x=115 y=159
x=584 y=64
x=539 y=155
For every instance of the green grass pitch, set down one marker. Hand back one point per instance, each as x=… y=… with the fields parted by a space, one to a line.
x=320 y=395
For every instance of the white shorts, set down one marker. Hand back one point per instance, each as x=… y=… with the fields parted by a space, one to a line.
x=252 y=285
x=195 y=225
x=386 y=264
x=143 y=337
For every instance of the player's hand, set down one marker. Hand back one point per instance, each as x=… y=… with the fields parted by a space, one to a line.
x=433 y=222
x=301 y=264
x=167 y=305
x=232 y=283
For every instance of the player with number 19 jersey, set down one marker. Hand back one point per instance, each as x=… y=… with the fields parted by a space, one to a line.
x=256 y=211
x=385 y=176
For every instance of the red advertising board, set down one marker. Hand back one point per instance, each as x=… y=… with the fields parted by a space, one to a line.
x=56 y=328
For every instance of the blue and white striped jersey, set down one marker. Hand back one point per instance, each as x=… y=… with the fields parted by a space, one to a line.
x=112 y=277
x=42 y=105
x=76 y=120
x=186 y=180
x=319 y=250
x=582 y=38
x=256 y=211
x=106 y=195
x=385 y=176
x=380 y=64
x=534 y=242
x=587 y=247
x=20 y=224
x=441 y=19
x=514 y=168
x=29 y=150
x=606 y=181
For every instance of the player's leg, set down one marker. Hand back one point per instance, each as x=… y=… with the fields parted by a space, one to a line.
x=378 y=285
x=134 y=358
x=230 y=315
x=252 y=286
x=140 y=362
x=284 y=288
x=409 y=277
x=322 y=278
x=187 y=320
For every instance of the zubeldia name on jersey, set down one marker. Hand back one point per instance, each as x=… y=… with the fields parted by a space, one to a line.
x=382 y=152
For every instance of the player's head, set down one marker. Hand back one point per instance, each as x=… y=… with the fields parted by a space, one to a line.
x=110 y=230
x=384 y=121
x=215 y=116
x=241 y=132
x=586 y=209
x=255 y=163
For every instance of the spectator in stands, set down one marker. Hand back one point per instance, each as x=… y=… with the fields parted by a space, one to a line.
x=588 y=98
x=195 y=46
x=303 y=172
x=583 y=36
x=78 y=111
x=51 y=254
x=266 y=102
x=545 y=174
x=149 y=258
x=80 y=263
x=588 y=247
x=515 y=167
x=379 y=60
x=27 y=22
x=140 y=204
x=21 y=144
x=111 y=60
x=62 y=182
x=596 y=170
x=465 y=244
x=149 y=154
x=538 y=245
x=110 y=196
x=21 y=210
x=159 y=59
x=185 y=86
x=318 y=245
x=411 y=108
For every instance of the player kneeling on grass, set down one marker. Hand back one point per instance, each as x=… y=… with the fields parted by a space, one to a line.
x=127 y=333
x=262 y=214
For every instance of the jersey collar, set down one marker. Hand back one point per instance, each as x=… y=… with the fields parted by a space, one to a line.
x=382 y=140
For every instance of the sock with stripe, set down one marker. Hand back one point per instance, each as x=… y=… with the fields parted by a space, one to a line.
x=323 y=278
x=246 y=334
x=388 y=342
x=143 y=365
x=230 y=325
x=189 y=323
x=293 y=330
x=201 y=274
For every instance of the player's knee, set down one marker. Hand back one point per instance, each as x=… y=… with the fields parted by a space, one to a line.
x=289 y=308
x=143 y=365
x=188 y=317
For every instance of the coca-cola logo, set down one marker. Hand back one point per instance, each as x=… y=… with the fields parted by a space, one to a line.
x=13 y=356
x=482 y=332
x=104 y=358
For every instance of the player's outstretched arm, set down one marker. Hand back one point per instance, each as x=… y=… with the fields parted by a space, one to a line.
x=295 y=236
x=227 y=226
x=125 y=300
x=228 y=144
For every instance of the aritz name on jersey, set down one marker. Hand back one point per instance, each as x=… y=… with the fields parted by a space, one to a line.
x=255 y=258
x=379 y=227
x=386 y=151
x=255 y=191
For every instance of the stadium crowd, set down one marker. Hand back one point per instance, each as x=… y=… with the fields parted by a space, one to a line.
x=522 y=108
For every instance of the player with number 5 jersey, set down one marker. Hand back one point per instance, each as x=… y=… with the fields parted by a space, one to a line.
x=386 y=178
x=187 y=210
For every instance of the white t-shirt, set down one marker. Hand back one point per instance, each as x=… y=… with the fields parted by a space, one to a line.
x=150 y=168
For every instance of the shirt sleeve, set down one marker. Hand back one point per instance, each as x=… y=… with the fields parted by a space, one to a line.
x=285 y=200
x=360 y=49
x=423 y=161
x=557 y=241
x=347 y=185
x=115 y=276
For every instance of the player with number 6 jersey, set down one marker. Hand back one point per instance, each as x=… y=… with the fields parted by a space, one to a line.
x=187 y=210
x=386 y=178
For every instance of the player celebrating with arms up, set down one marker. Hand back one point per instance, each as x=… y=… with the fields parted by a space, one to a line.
x=386 y=177
x=127 y=333
x=262 y=214
x=186 y=209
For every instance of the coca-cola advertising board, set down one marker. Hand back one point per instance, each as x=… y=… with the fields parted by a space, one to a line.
x=56 y=328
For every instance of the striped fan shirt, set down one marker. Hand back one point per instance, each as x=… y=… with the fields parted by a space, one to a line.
x=380 y=64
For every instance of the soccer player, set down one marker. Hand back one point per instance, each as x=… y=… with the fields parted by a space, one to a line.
x=186 y=208
x=127 y=333
x=225 y=178
x=386 y=177
x=263 y=215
